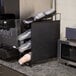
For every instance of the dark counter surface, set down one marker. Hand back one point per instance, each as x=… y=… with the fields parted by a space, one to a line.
x=51 y=68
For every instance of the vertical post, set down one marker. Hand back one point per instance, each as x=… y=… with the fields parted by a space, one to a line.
x=55 y=7
x=55 y=4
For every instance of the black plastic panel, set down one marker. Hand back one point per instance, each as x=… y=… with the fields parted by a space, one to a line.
x=68 y=52
x=45 y=35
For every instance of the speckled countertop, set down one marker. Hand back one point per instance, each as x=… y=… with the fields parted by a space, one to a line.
x=51 y=68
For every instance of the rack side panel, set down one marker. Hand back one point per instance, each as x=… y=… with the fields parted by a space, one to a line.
x=45 y=35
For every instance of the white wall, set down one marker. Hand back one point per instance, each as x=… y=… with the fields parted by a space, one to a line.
x=41 y=5
x=67 y=8
x=26 y=8
x=31 y=7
